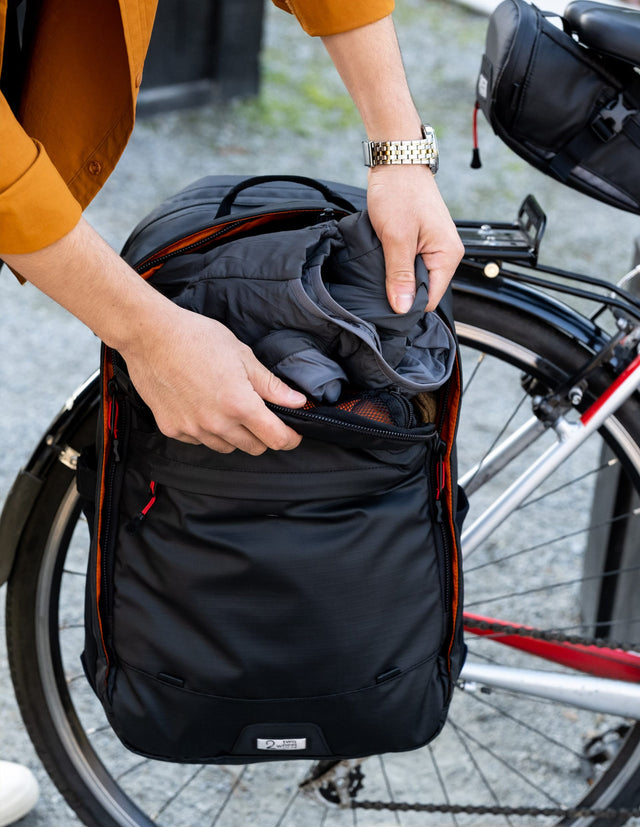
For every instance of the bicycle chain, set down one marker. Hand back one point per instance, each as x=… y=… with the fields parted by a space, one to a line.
x=560 y=812
x=550 y=636
x=461 y=809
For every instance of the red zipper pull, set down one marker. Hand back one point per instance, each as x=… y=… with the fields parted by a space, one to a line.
x=135 y=522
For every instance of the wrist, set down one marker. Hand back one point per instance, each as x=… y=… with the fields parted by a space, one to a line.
x=422 y=151
x=391 y=125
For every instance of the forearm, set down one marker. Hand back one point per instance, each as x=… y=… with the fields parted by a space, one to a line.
x=84 y=275
x=369 y=62
x=201 y=383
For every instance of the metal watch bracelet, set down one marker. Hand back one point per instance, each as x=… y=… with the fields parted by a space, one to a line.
x=423 y=151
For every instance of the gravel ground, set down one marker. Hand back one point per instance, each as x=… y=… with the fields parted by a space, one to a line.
x=301 y=109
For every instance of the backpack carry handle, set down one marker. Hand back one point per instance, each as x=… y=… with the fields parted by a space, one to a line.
x=331 y=196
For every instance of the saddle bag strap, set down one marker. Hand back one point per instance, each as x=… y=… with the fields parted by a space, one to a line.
x=610 y=120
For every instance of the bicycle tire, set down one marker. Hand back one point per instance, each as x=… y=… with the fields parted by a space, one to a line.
x=97 y=776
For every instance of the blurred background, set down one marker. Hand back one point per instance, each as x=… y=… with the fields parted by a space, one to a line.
x=236 y=87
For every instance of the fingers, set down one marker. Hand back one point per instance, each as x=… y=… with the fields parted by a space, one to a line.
x=438 y=282
x=441 y=263
x=239 y=419
x=410 y=219
x=218 y=401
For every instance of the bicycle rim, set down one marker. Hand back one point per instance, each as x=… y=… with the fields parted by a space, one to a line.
x=498 y=750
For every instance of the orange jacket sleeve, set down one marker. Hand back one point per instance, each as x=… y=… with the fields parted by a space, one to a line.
x=78 y=101
x=36 y=206
x=325 y=17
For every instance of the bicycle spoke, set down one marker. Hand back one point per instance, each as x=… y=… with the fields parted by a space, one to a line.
x=548 y=586
x=480 y=465
x=581 y=478
x=485 y=781
x=526 y=726
x=441 y=783
x=468 y=380
x=387 y=785
x=558 y=539
x=484 y=748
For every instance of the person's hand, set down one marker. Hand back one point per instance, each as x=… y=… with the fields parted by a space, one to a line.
x=205 y=386
x=410 y=218
x=202 y=384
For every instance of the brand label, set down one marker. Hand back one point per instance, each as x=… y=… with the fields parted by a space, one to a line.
x=483 y=86
x=282 y=744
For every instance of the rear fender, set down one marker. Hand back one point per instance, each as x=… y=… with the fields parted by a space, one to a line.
x=57 y=445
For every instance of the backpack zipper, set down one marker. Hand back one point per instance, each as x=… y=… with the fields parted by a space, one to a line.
x=353 y=426
x=440 y=482
x=158 y=259
x=115 y=430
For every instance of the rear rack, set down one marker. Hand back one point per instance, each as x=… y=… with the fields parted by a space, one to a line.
x=491 y=247
x=517 y=241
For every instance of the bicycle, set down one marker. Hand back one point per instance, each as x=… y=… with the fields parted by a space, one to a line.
x=520 y=742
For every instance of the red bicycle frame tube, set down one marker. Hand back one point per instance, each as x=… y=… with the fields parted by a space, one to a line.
x=602 y=662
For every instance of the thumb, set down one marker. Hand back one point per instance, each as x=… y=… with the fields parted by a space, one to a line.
x=272 y=389
x=400 y=276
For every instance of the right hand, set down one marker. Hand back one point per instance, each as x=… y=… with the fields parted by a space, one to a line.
x=206 y=387
x=202 y=384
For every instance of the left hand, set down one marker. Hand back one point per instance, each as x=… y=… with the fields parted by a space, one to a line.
x=410 y=218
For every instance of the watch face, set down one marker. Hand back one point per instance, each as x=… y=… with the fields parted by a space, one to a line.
x=429 y=134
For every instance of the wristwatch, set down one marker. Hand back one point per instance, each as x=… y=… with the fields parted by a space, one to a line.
x=424 y=151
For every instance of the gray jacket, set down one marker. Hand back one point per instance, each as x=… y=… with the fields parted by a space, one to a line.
x=311 y=304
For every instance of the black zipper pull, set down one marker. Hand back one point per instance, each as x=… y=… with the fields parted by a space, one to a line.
x=441 y=477
x=135 y=522
x=476 y=163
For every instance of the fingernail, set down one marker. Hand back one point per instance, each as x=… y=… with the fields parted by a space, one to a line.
x=295 y=398
x=404 y=302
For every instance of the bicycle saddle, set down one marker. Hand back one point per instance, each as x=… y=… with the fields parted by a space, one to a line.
x=610 y=30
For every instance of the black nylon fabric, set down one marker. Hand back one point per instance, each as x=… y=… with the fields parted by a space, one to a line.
x=304 y=598
x=569 y=111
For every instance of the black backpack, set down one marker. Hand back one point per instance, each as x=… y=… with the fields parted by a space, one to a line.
x=299 y=604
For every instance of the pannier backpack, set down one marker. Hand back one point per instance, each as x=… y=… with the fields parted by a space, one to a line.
x=566 y=97
x=298 y=604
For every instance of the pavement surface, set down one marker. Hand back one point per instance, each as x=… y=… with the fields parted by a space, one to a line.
x=303 y=123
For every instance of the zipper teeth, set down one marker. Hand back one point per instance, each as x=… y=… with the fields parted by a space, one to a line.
x=108 y=506
x=353 y=426
x=446 y=546
x=145 y=265
x=148 y=263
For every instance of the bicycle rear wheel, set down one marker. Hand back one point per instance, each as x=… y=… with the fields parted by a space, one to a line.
x=500 y=751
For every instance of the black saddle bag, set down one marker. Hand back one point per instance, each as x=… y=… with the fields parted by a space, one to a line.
x=299 y=604
x=569 y=110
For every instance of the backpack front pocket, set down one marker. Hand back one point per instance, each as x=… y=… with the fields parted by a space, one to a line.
x=227 y=573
